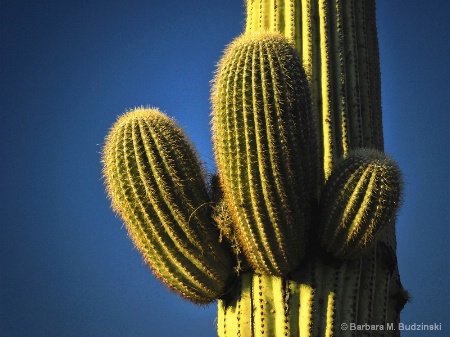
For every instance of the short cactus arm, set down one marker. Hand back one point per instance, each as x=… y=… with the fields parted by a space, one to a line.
x=359 y=202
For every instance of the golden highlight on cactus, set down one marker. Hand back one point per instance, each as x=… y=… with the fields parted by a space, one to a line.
x=313 y=301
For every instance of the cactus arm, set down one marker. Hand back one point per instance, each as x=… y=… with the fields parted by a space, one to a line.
x=356 y=210
x=266 y=151
x=132 y=210
x=157 y=185
x=122 y=200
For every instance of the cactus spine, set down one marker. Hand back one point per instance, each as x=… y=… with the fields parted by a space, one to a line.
x=305 y=206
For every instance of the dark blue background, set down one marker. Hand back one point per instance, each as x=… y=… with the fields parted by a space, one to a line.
x=69 y=68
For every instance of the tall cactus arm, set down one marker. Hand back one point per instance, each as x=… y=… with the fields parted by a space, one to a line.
x=265 y=146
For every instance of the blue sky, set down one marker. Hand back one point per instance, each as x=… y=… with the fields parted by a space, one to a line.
x=69 y=68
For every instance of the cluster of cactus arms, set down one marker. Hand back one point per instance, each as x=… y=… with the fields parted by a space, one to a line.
x=295 y=234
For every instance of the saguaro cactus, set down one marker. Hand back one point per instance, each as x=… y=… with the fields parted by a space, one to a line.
x=295 y=235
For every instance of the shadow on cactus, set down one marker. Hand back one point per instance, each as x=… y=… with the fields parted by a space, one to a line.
x=295 y=234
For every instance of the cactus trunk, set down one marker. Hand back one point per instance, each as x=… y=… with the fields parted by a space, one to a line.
x=316 y=300
x=337 y=41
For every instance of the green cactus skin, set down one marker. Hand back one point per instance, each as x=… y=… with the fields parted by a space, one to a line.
x=265 y=147
x=360 y=199
x=156 y=183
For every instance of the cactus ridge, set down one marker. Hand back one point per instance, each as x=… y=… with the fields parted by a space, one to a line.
x=264 y=138
x=156 y=183
x=360 y=199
